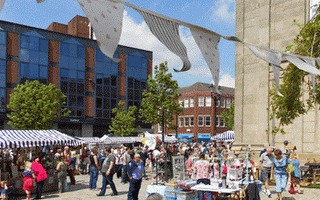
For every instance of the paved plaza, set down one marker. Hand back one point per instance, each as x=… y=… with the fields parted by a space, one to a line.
x=80 y=191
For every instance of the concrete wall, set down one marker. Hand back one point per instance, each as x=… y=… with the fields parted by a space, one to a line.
x=270 y=24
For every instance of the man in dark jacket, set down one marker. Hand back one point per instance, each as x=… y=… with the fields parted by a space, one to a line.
x=135 y=168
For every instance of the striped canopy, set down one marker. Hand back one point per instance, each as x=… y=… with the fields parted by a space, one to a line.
x=228 y=135
x=32 y=138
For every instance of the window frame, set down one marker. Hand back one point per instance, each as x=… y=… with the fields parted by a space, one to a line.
x=208 y=101
x=222 y=102
x=217 y=119
x=201 y=101
x=191 y=102
x=186 y=121
x=205 y=120
x=181 y=121
x=191 y=122
x=200 y=120
x=228 y=103
x=186 y=102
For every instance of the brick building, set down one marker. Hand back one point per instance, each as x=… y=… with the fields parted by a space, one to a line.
x=201 y=117
x=65 y=56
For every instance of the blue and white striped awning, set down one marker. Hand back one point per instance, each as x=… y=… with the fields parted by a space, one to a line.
x=228 y=135
x=32 y=138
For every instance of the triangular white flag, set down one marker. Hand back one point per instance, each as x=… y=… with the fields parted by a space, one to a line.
x=106 y=20
x=208 y=45
x=266 y=54
x=2 y=4
x=276 y=73
x=311 y=62
x=301 y=64
x=167 y=32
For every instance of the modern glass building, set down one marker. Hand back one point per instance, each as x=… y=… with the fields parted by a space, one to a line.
x=64 y=55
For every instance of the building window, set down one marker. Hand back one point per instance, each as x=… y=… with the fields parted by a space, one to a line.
x=191 y=102
x=208 y=120
x=72 y=76
x=222 y=102
x=106 y=85
x=186 y=121
x=228 y=102
x=200 y=120
x=191 y=121
x=3 y=67
x=186 y=102
x=181 y=102
x=159 y=128
x=33 y=59
x=217 y=121
x=201 y=102
x=181 y=121
x=222 y=124
x=208 y=101
x=216 y=102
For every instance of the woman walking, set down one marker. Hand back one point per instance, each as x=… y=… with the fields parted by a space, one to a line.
x=28 y=179
x=280 y=172
x=72 y=167
x=41 y=176
x=62 y=175
x=94 y=169
x=296 y=176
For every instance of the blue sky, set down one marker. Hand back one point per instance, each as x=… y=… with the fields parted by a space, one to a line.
x=216 y=15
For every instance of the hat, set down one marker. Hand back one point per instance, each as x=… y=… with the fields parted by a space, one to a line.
x=286 y=142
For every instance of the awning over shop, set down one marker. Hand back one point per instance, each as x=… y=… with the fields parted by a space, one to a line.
x=204 y=136
x=185 y=135
x=225 y=136
x=121 y=140
x=32 y=138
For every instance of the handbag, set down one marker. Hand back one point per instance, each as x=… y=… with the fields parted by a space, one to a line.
x=292 y=188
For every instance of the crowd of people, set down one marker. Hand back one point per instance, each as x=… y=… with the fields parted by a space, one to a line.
x=130 y=163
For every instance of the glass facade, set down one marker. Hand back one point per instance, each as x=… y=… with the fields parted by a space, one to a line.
x=106 y=86
x=3 y=82
x=136 y=78
x=33 y=58
x=72 y=76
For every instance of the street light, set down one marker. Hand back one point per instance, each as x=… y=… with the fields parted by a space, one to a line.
x=215 y=97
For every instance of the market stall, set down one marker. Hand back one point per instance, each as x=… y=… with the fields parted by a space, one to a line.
x=24 y=145
x=227 y=136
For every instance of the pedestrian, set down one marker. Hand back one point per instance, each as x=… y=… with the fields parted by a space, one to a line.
x=4 y=188
x=102 y=156
x=280 y=163
x=40 y=174
x=202 y=170
x=127 y=159
x=62 y=175
x=28 y=179
x=108 y=170
x=135 y=175
x=284 y=149
x=296 y=176
x=72 y=167
x=144 y=157
x=266 y=161
x=94 y=168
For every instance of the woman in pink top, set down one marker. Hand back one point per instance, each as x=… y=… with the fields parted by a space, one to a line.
x=202 y=170
x=40 y=174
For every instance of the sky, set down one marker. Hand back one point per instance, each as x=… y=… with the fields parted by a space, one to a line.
x=215 y=15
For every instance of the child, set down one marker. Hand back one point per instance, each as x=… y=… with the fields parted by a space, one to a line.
x=4 y=190
x=28 y=179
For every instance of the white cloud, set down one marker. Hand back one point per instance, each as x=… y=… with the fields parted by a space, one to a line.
x=223 y=10
x=138 y=35
x=227 y=81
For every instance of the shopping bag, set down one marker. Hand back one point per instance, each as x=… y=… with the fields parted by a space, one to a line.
x=225 y=169
x=292 y=188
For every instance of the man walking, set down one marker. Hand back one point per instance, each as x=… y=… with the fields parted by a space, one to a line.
x=108 y=171
x=135 y=168
x=127 y=159
x=266 y=161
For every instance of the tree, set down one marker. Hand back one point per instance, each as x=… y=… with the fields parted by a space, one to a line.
x=295 y=81
x=160 y=99
x=123 y=123
x=34 y=105
x=228 y=117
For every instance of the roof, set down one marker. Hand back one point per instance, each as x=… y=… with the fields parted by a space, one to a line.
x=204 y=87
x=51 y=35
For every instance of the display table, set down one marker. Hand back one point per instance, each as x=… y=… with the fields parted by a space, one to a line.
x=160 y=189
x=233 y=193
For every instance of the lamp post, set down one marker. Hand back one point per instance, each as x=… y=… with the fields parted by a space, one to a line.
x=215 y=97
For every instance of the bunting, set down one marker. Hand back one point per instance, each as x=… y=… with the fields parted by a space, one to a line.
x=301 y=64
x=276 y=73
x=208 y=45
x=167 y=32
x=106 y=20
x=2 y=4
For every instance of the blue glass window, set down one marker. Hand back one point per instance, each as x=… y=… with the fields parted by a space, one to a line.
x=3 y=51
x=3 y=38
x=106 y=90
x=33 y=57
x=72 y=75
x=2 y=80
x=2 y=66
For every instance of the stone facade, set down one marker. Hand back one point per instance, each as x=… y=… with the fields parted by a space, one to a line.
x=268 y=24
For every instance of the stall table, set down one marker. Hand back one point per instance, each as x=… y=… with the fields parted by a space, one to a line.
x=228 y=193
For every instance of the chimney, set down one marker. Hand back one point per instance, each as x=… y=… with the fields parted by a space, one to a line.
x=79 y=26
x=57 y=27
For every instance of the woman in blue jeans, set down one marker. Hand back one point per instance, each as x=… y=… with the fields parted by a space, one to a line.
x=94 y=169
x=280 y=172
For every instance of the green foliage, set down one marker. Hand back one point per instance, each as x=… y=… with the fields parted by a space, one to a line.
x=123 y=122
x=297 y=82
x=34 y=105
x=160 y=100
x=228 y=117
